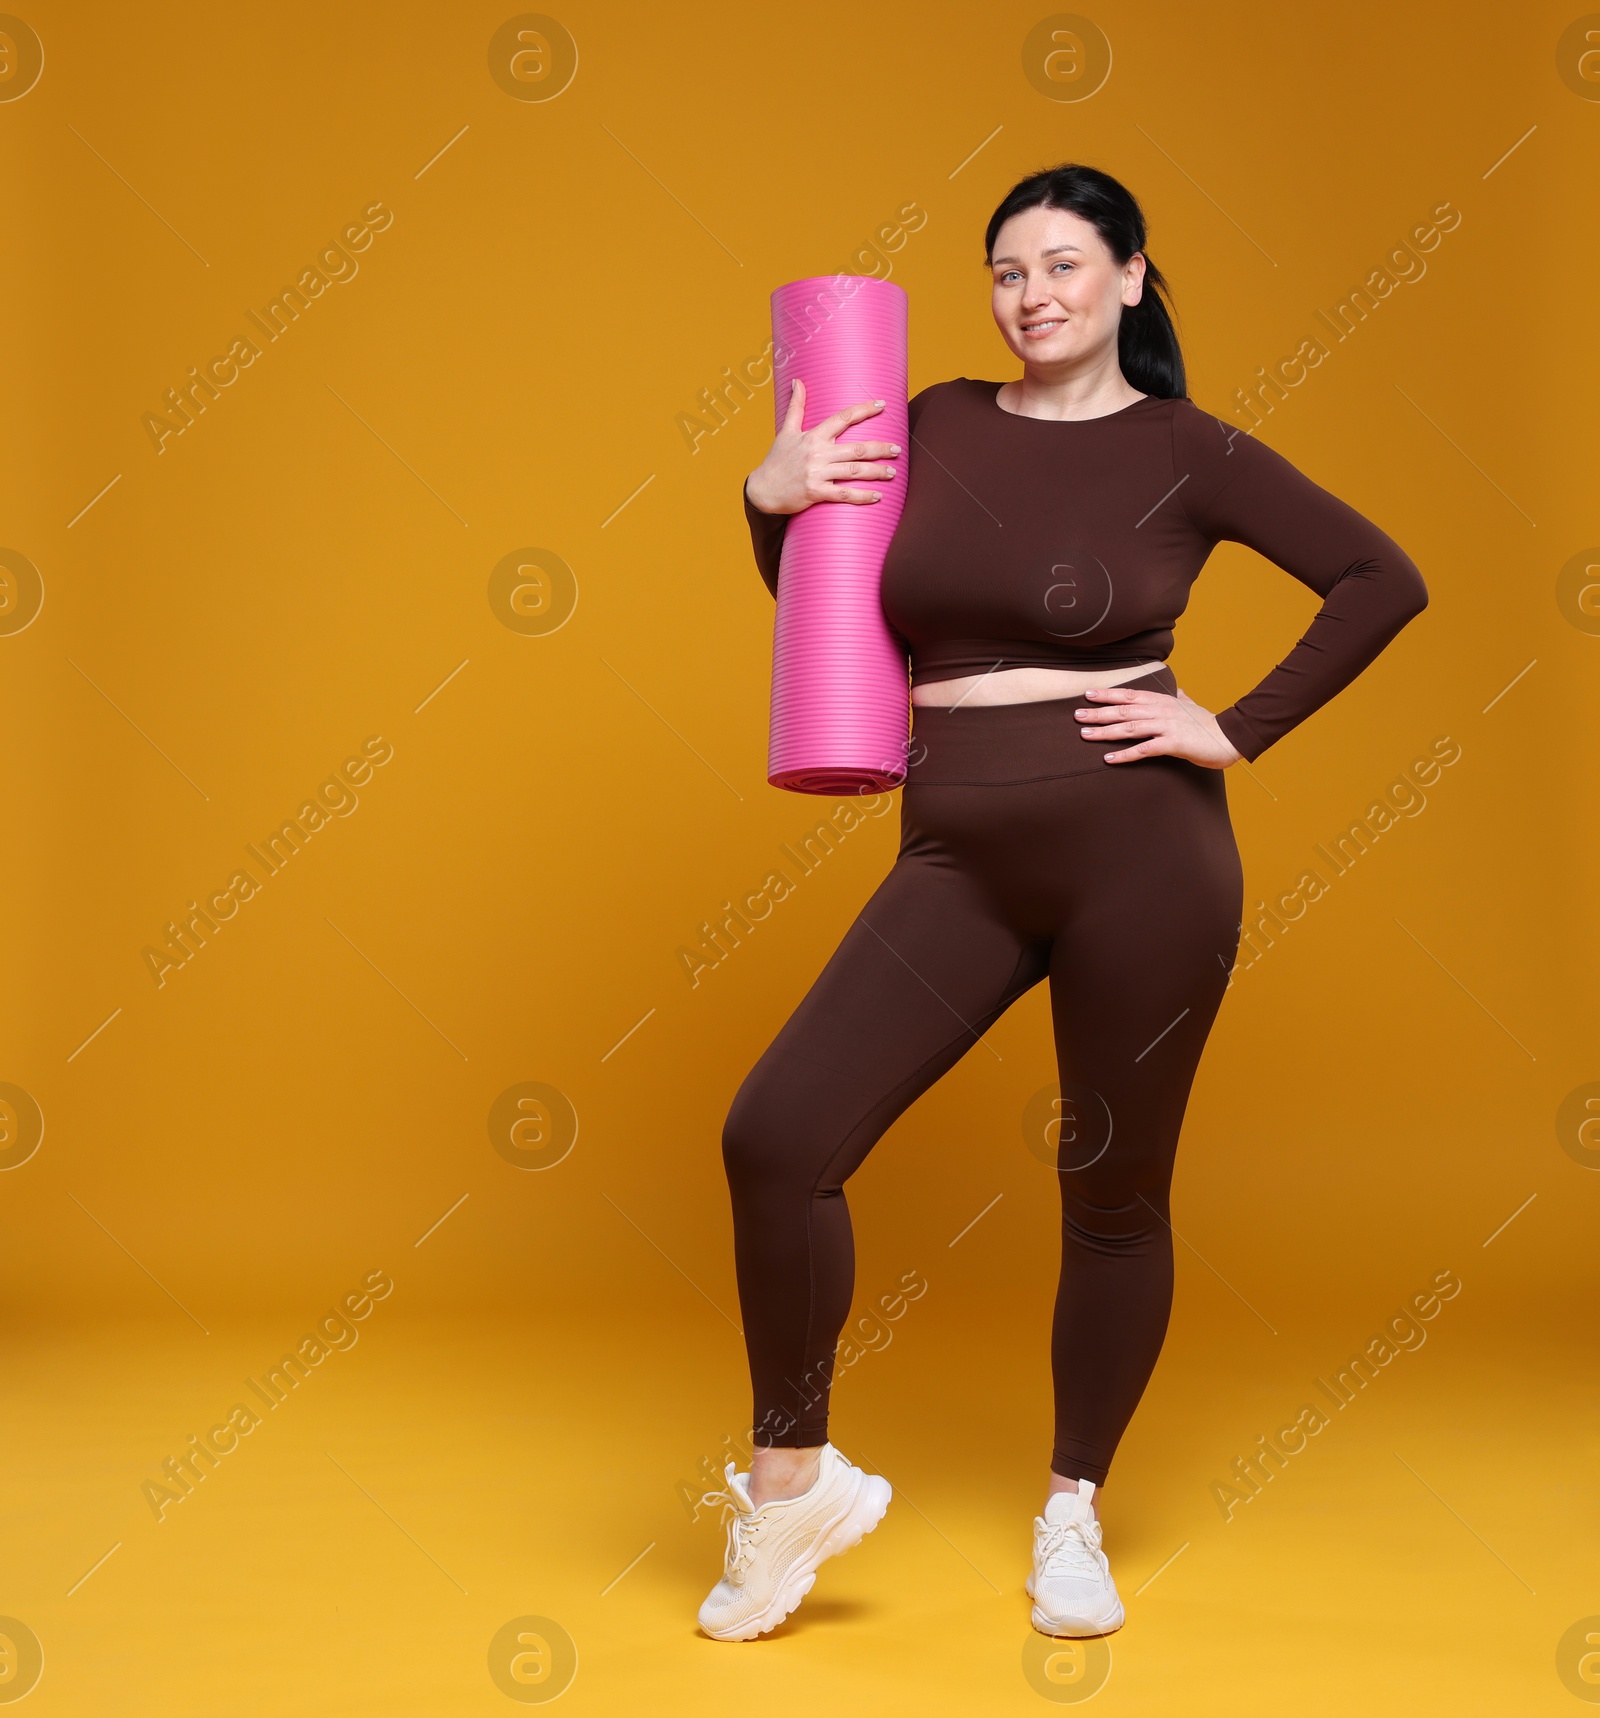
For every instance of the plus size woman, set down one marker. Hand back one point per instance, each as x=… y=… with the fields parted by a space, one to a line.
x=1064 y=819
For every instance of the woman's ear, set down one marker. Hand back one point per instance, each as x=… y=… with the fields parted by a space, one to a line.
x=1133 y=280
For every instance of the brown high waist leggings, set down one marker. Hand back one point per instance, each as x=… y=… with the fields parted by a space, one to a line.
x=1023 y=856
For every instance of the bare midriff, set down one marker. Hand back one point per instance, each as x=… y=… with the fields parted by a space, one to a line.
x=1023 y=685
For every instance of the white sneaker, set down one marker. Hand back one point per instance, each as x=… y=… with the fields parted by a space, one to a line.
x=774 y=1552
x=1071 y=1586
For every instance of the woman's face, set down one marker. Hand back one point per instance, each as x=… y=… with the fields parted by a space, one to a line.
x=1058 y=291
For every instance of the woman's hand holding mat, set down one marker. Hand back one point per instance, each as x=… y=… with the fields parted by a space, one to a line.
x=806 y=466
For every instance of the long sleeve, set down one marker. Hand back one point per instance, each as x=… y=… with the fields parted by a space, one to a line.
x=766 y=539
x=1234 y=488
x=767 y=529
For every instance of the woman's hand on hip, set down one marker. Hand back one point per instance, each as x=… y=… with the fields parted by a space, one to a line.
x=1163 y=726
x=805 y=466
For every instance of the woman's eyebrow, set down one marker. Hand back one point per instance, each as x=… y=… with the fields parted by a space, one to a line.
x=1055 y=250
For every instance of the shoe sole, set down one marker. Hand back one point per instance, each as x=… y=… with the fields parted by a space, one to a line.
x=865 y=1511
x=1075 y=1628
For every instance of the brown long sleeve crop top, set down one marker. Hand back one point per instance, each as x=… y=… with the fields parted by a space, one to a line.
x=1073 y=543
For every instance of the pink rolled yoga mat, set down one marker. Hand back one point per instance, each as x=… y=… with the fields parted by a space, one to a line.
x=840 y=694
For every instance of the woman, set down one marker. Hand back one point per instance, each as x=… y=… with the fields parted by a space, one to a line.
x=1064 y=817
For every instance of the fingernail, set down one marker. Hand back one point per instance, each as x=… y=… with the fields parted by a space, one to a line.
x=893 y=448
x=889 y=469
x=879 y=402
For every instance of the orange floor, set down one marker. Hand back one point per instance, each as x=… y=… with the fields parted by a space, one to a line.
x=364 y=1548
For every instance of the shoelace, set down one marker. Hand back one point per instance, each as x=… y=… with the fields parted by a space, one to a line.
x=1076 y=1547
x=744 y=1530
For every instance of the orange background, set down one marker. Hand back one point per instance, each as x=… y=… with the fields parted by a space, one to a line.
x=302 y=567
